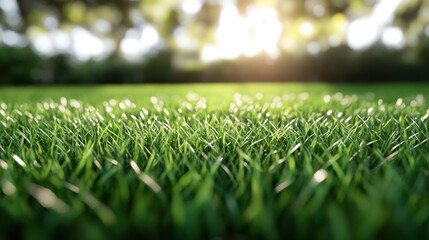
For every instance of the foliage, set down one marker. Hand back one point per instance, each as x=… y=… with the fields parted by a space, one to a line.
x=24 y=67
x=328 y=17
x=19 y=66
x=64 y=34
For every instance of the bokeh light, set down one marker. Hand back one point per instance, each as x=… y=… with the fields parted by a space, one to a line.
x=393 y=37
x=211 y=31
x=191 y=7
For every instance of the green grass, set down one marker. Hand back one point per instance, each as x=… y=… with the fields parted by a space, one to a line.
x=248 y=161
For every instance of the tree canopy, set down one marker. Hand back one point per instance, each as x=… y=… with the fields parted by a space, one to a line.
x=196 y=29
x=190 y=34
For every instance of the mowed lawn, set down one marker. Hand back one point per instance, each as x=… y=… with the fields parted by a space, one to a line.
x=224 y=161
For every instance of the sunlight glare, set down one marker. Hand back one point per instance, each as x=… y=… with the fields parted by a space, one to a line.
x=44 y=45
x=393 y=37
x=10 y=10
x=384 y=11
x=191 y=7
x=258 y=31
x=288 y=43
x=264 y=31
x=365 y=31
x=102 y=26
x=86 y=45
x=306 y=29
x=313 y=48
x=362 y=33
x=50 y=22
x=9 y=6
x=334 y=41
x=137 y=43
x=149 y=37
x=50 y=43
x=61 y=40
x=14 y=39
x=318 y=10
x=129 y=46
x=210 y=53
x=230 y=34
x=183 y=40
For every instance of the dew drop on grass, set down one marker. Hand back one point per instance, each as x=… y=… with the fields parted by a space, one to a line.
x=3 y=164
x=71 y=187
x=19 y=160
x=113 y=161
x=399 y=102
x=112 y=102
x=154 y=100
x=426 y=116
x=122 y=105
x=326 y=98
x=98 y=164
x=320 y=176
x=47 y=198
x=345 y=101
x=8 y=188
x=304 y=96
x=145 y=178
x=62 y=108
x=74 y=103
x=282 y=186
x=104 y=213
x=338 y=96
x=135 y=167
x=17 y=112
x=46 y=105
x=36 y=164
x=191 y=96
x=99 y=116
x=3 y=105
x=63 y=101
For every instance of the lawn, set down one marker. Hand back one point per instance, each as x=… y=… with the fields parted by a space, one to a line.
x=249 y=161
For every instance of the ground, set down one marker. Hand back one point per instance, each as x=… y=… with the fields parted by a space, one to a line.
x=235 y=161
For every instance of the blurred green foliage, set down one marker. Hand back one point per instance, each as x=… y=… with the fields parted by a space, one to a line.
x=23 y=66
x=168 y=61
x=20 y=65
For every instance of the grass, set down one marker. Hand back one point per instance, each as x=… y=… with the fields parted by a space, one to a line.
x=203 y=161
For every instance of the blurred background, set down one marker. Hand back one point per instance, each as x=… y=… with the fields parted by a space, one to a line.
x=163 y=41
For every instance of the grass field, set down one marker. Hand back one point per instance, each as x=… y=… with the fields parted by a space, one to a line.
x=251 y=161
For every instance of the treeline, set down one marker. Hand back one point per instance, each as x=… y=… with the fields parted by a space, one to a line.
x=22 y=66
